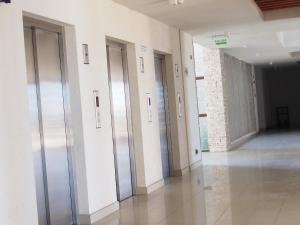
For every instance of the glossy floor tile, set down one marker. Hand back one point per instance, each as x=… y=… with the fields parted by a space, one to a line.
x=257 y=184
x=181 y=201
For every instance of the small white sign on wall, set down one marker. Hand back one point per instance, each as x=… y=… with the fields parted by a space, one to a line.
x=85 y=51
x=143 y=48
x=142 y=65
x=177 y=70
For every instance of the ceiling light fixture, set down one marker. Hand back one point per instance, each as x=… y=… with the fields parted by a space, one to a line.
x=176 y=2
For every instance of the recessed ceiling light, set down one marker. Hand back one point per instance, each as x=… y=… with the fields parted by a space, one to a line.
x=257 y=54
x=271 y=63
x=245 y=46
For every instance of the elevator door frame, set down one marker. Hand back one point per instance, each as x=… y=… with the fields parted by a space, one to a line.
x=34 y=25
x=128 y=113
x=167 y=109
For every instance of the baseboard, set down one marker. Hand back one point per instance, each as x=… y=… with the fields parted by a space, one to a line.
x=195 y=165
x=180 y=173
x=242 y=140
x=151 y=188
x=90 y=219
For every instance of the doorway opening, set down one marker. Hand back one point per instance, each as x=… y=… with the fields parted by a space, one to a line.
x=50 y=139
x=121 y=119
x=163 y=112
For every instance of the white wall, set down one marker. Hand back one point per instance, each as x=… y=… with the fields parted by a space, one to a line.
x=17 y=192
x=180 y=156
x=191 y=101
x=93 y=20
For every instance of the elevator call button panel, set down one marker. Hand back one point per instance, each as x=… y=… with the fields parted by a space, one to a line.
x=97 y=109
x=149 y=107
x=179 y=105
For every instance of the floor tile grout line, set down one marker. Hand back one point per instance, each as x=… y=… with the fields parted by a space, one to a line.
x=279 y=211
x=220 y=217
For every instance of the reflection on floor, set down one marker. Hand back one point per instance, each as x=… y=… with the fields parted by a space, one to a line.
x=258 y=184
x=180 y=202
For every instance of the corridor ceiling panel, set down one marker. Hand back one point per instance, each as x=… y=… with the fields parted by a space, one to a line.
x=266 y=5
x=198 y=16
x=252 y=38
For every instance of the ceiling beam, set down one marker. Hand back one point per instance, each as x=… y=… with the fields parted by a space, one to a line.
x=266 y=5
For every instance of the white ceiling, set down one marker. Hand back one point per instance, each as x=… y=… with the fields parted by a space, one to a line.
x=260 y=42
x=250 y=37
x=197 y=15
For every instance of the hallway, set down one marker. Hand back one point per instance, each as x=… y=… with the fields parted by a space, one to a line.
x=258 y=184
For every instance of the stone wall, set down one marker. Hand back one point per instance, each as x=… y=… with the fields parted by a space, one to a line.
x=232 y=110
x=216 y=112
x=240 y=98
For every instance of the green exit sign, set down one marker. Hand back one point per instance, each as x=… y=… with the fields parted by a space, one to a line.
x=220 y=40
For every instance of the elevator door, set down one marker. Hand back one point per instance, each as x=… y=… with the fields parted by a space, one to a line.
x=162 y=113
x=120 y=110
x=49 y=140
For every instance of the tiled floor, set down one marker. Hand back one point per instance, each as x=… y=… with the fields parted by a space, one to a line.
x=259 y=184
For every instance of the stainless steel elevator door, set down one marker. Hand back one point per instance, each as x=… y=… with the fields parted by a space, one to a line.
x=49 y=140
x=162 y=114
x=35 y=128
x=119 y=108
